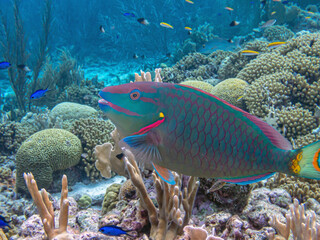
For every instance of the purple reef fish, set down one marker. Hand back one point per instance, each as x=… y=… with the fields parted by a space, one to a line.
x=193 y=132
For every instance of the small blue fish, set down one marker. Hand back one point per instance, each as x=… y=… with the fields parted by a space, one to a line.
x=4 y=65
x=39 y=93
x=112 y=230
x=4 y=223
x=129 y=15
x=285 y=2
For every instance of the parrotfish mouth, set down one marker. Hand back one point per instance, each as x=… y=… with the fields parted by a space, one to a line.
x=104 y=103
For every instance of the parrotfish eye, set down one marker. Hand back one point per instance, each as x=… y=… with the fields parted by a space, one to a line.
x=135 y=94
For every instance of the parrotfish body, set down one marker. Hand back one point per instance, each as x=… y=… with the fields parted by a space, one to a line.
x=192 y=132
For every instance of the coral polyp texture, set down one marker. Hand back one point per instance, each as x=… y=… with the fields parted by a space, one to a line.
x=45 y=152
x=91 y=132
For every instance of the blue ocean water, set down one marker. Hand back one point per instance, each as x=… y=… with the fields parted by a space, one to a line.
x=261 y=56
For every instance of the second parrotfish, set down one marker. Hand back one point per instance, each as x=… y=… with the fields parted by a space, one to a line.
x=192 y=132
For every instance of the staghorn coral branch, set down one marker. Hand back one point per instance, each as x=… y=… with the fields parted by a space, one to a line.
x=137 y=181
x=45 y=207
x=302 y=226
x=166 y=221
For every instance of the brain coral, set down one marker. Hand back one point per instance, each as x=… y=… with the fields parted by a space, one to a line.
x=199 y=84
x=45 y=152
x=230 y=90
x=68 y=111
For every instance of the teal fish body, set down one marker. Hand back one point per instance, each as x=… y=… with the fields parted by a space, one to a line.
x=189 y=131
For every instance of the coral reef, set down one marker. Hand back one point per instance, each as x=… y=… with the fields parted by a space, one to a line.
x=91 y=132
x=296 y=121
x=110 y=158
x=285 y=82
x=12 y=134
x=231 y=196
x=166 y=221
x=199 y=84
x=127 y=190
x=45 y=152
x=43 y=225
x=277 y=34
x=68 y=112
x=110 y=198
x=46 y=210
x=301 y=226
x=84 y=201
x=232 y=64
x=86 y=93
x=299 y=188
x=194 y=66
x=231 y=90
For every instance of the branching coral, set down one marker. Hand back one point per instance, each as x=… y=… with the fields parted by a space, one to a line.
x=301 y=225
x=167 y=221
x=45 y=208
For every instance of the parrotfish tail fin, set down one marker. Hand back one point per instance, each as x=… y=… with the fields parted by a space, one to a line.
x=306 y=162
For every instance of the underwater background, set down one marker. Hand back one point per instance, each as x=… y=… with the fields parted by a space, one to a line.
x=262 y=56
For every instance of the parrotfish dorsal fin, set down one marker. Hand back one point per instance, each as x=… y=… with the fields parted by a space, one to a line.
x=144 y=147
x=272 y=134
x=165 y=174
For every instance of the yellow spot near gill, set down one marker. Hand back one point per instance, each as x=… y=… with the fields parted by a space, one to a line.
x=161 y=115
x=295 y=167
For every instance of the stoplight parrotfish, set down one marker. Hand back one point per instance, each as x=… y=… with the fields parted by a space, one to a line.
x=195 y=133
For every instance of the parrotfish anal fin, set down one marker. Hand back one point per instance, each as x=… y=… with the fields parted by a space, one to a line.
x=248 y=180
x=272 y=134
x=165 y=174
x=144 y=147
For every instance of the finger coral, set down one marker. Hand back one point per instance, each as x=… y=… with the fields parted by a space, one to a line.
x=301 y=226
x=91 y=132
x=168 y=220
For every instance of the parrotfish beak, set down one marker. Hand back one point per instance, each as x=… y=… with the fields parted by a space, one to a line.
x=103 y=104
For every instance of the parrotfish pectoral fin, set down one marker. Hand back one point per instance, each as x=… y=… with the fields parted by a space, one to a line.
x=248 y=179
x=165 y=174
x=144 y=147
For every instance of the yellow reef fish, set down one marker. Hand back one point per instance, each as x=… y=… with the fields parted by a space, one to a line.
x=249 y=53
x=166 y=25
x=189 y=1
x=307 y=17
x=188 y=28
x=275 y=44
x=273 y=13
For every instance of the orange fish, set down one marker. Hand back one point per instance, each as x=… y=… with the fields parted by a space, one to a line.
x=229 y=8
